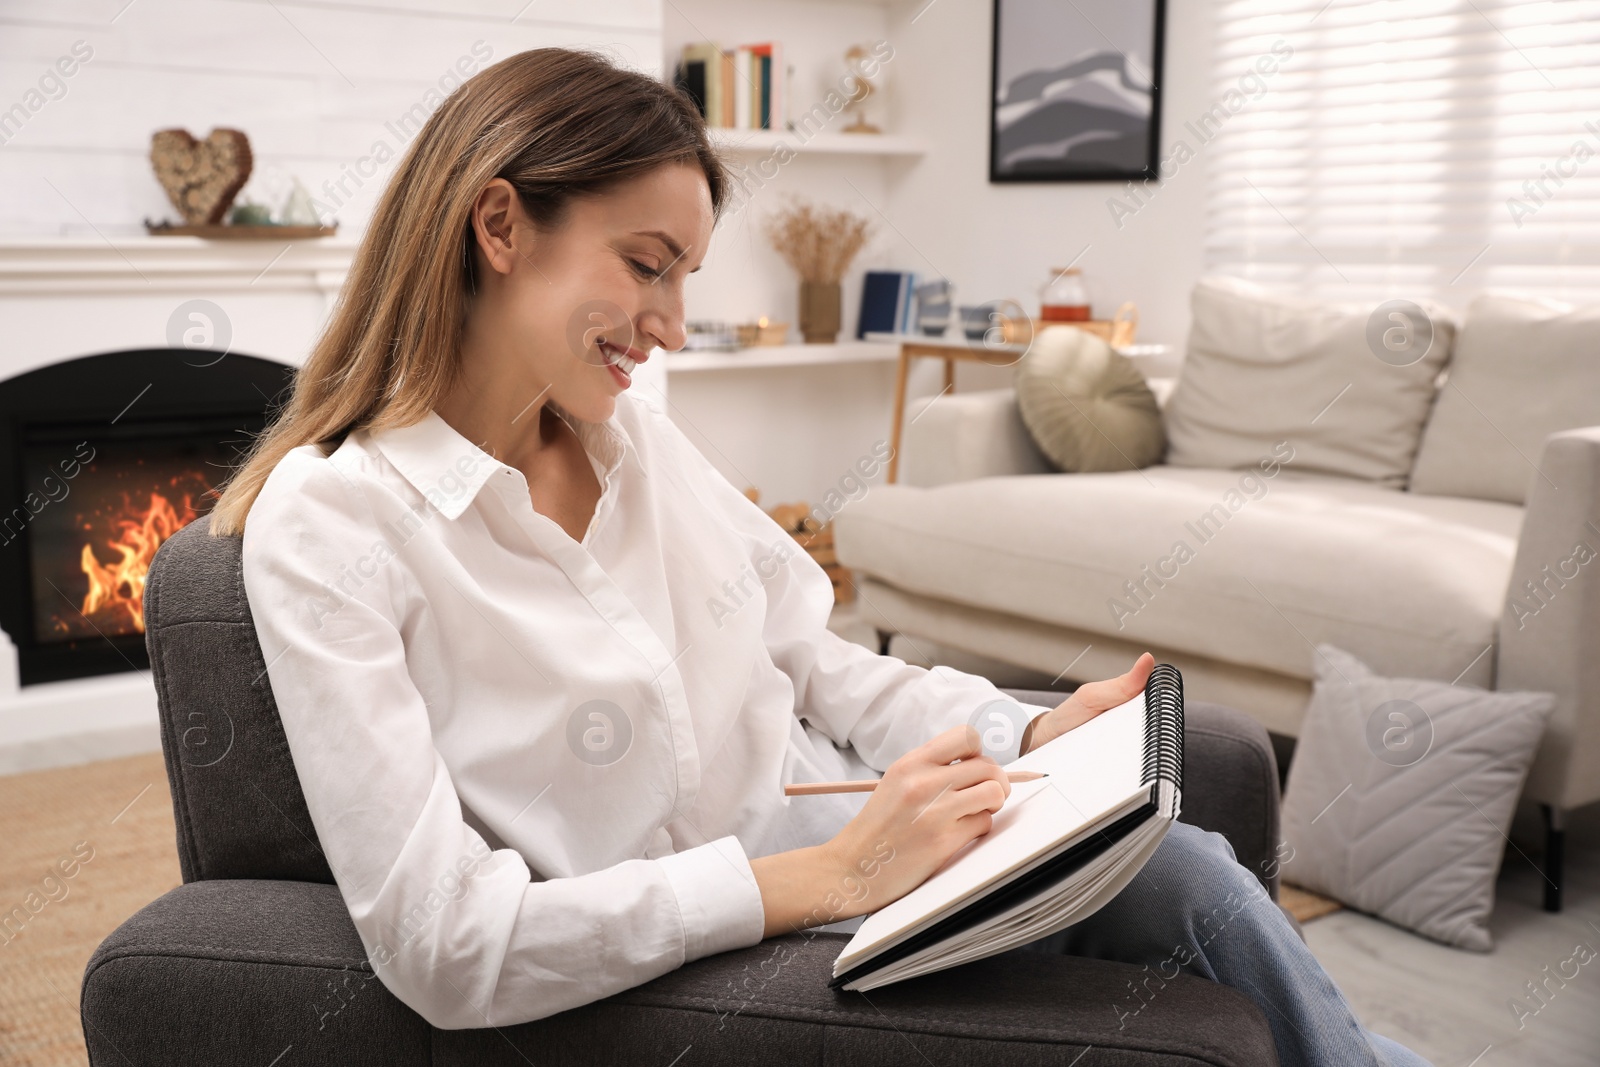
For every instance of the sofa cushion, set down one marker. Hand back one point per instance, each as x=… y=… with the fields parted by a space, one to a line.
x=1263 y=368
x=1088 y=408
x=1250 y=568
x=1521 y=372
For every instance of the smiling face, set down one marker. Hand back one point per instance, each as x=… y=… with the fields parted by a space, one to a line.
x=577 y=307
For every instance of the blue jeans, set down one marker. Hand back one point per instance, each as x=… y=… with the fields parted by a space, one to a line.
x=1194 y=909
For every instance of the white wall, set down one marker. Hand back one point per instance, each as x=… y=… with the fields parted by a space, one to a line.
x=318 y=84
x=998 y=241
x=792 y=433
x=744 y=277
x=936 y=215
x=939 y=215
x=313 y=82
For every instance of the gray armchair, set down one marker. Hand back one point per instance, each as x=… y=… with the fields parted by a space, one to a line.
x=254 y=960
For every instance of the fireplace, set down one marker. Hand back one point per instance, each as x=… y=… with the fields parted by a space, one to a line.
x=102 y=459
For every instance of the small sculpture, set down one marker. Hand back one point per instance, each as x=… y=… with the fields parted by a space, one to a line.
x=201 y=177
x=860 y=86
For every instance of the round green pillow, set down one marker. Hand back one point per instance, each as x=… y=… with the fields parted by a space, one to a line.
x=1088 y=408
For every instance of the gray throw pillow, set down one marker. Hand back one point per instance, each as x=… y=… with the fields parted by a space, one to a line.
x=1087 y=408
x=1401 y=792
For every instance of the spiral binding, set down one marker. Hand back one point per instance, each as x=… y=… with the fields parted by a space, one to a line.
x=1163 y=726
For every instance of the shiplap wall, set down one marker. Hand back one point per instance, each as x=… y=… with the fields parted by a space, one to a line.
x=315 y=83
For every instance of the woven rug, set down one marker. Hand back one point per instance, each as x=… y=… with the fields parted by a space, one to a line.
x=117 y=815
x=1305 y=905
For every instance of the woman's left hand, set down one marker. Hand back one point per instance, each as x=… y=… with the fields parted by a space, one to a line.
x=1089 y=700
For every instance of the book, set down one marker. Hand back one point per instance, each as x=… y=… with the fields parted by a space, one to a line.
x=908 y=309
x=743 y=89
x=702 y=62
x=763 y=56
x=764 y=117
x=885 y=302
x=779 y=99
x=691 y=79
x=880 y=302
x=1059 y=849
x=730 y=78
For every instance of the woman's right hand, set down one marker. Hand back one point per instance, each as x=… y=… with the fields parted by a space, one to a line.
x=926 y=808
x=923 y=811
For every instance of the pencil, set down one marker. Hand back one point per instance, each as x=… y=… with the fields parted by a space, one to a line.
x=811 y=789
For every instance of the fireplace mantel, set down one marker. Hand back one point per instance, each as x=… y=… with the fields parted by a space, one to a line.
x=57 y=266
x=65 y=297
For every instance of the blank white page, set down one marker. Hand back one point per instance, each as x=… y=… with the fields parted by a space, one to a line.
x=1093 y=770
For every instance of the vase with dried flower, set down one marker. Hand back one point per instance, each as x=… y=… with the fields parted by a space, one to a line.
x=819 y=243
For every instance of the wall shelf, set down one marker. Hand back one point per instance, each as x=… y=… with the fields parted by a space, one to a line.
x=767 y=357
x=764 y=142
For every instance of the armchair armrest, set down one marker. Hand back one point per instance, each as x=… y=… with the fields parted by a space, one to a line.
x=956 y=437
x=1552 y=614
x=234 y=971
x=1230 y=786
x=238 y=971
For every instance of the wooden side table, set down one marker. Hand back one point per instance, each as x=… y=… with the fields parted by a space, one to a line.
x=950 y=349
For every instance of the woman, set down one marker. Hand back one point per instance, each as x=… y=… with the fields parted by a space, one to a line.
x=543 y=671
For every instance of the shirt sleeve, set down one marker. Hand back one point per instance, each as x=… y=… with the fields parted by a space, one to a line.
x=881 y=706
x=460 y=932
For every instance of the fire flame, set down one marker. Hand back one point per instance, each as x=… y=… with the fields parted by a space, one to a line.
x=120 y=586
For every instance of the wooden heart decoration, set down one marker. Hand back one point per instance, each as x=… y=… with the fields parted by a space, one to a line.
x=201 y=177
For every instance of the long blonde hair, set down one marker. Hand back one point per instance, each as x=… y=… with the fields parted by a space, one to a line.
x=555 y=123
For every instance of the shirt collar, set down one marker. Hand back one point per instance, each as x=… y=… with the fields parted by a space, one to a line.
x=448 y=470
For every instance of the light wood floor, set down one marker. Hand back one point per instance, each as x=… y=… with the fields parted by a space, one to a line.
x=1454 y=1006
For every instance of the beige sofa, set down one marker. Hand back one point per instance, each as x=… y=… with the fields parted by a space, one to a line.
x=980 y=547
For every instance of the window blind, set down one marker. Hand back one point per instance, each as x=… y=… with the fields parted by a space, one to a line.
x=1431 y=148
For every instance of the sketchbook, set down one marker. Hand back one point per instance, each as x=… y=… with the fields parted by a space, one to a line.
x=1060 y=848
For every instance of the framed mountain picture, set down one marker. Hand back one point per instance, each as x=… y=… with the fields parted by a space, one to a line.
x=1076 y=90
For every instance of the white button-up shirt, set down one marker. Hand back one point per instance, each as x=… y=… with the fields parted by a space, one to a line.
x=538 y=766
